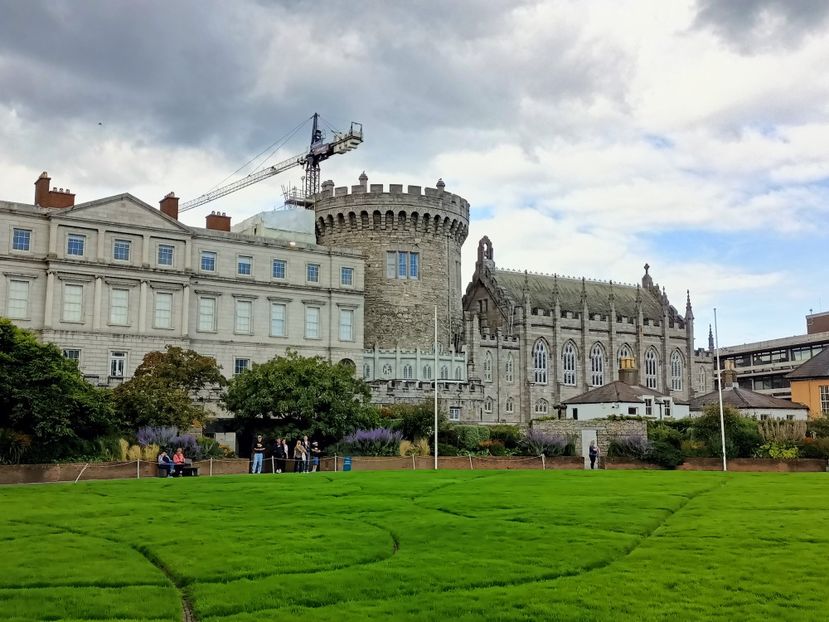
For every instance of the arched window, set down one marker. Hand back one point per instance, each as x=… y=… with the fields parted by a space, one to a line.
x=676 y=371
x=509 y=406
x=386 y=370
x=542 y=407
x=624 y=353
x=488 y=367
x=427 y=372
x=701 y=382
x=651 y=369
x=508 y=373
x=540 y=362
x=597 y=365
x=568 y=363
x=458 y=373
x=488 y=405
x=367 y=371
x=444 y=373
x=407 y=372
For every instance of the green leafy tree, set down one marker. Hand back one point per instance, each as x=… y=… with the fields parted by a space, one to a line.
x=166 y=388
x=299 y=395
x=741 y=434
x=45 y=401
x=414 y=421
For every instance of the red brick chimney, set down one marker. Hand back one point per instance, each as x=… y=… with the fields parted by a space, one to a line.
x=56 y=197
x=169 y=205
x=217 y=221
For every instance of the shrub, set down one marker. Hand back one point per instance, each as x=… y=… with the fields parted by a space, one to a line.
x=778 y=451
x=414 y=421
x=13 y=446
x=445 y=449
x=509 y=435
x=777 y=431
x=469 y=437
x=494 y=447
x=816 y=448
x=694 y=449
x=819 y=427
x=664 y=454
x=418 y=448
x=537 y=442
x=659 y=432
x=376 y=442
x=630 y=446
x=741 y=435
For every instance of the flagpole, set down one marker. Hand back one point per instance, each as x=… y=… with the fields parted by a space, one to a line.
x=719 y=390
x=435 y=376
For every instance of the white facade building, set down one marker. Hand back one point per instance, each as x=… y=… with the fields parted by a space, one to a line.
x=110 y=280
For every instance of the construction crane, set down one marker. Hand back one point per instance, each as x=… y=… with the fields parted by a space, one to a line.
x=319 y=150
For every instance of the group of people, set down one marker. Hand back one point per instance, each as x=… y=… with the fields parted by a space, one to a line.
x=305 y=455
x=175 y=465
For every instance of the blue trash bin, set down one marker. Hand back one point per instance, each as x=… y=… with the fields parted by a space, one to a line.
x=347 y=463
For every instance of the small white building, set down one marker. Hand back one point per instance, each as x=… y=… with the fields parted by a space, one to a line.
x=749 y=403
x=624 y=397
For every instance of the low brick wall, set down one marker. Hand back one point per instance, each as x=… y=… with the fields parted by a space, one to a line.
x=766 y=465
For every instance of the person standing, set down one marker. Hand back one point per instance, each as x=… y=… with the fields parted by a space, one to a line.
x=306 y=445
x=258 y=454
x=299 y=457
x=315 y=457
x=279 y=455
x=593 y=452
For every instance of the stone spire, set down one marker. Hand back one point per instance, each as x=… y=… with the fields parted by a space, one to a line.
x=611 y=297
x=689 y=312
x=710 y=339
x=647 y=281
x=525 y=289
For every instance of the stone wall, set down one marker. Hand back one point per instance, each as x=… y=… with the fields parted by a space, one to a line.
x=434 y=224
x=605 y=430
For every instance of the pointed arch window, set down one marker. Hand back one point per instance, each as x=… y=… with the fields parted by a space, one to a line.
x=676 y=371
x=444 y=373
x=701 y=381
x=508 y=368
x=651 y=369
x=509 y=406
x=366 y=371
x=624 y=353
x=458 y=373
x=427 y=372
x=542 y=407
x=387 y=370
x=407 y=372
x=488 y=405
x=597 y=365
x=488 y=367
x=540 y=362
x=568 y=363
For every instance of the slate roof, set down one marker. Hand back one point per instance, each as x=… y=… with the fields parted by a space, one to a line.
x=614 y=392
x=815 y=367
x=743 y=398
x=541 y=291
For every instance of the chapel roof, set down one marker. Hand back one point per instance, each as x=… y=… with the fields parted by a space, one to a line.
x=616 y=391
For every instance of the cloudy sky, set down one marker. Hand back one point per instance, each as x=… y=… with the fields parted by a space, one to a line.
x=589 y=136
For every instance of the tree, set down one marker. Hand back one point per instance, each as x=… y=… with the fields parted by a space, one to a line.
x=45 y=399
x=301 y=396
x=741 y=433
x=166 y=384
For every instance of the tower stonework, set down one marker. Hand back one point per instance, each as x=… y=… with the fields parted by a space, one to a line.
x=389 y=226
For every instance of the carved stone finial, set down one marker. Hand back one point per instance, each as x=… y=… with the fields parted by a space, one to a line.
x=440 y=185
x=647 y=267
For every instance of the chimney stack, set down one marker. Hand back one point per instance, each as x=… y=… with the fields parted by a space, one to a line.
x=169 y=205
x=217 y=221
x=56 y=198
x=729 y=375
x=627 y=371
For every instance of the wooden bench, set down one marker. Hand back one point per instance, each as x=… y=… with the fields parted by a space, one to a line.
x=188 y=470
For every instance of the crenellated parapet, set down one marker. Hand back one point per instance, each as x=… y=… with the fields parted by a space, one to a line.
x=415 y=210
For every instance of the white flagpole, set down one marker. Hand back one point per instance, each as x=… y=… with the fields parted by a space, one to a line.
x=435 y=376
x=719 y=390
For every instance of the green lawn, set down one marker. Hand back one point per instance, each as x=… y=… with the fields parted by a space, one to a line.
x=495 y=545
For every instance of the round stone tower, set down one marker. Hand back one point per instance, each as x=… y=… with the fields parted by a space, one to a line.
x=411 y=241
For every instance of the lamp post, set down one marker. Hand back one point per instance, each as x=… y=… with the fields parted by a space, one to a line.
x=719 y=390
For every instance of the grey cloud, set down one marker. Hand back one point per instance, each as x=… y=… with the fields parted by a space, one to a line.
x=759 y=25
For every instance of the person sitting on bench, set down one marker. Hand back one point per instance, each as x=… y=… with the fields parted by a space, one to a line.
x=165 y=464
x=179 y=461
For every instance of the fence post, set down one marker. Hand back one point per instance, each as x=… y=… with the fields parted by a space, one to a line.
x=470 y=462
x=273 y=465
x=335 y=463
x=543 y=463
x=211 y=467
x=81 y=473
x=138 y=469
x=414 y=464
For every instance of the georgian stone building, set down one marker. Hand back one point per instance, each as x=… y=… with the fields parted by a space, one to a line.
x=113 y=279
